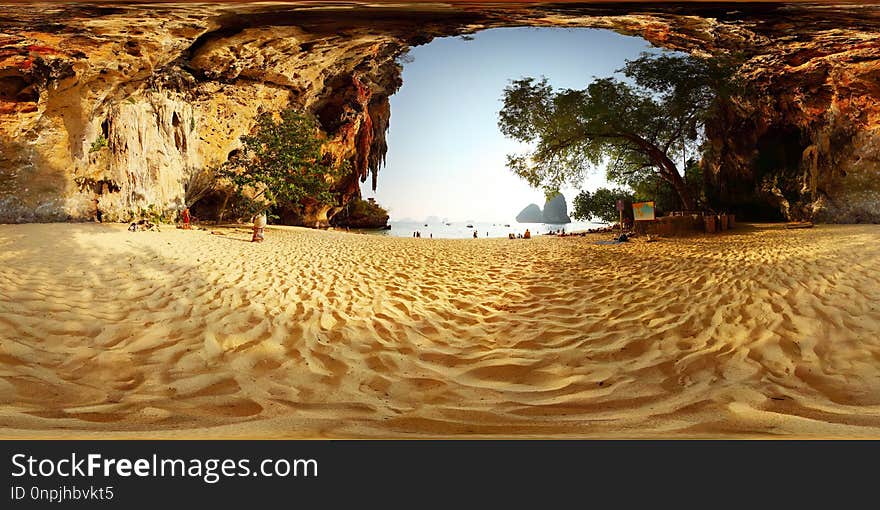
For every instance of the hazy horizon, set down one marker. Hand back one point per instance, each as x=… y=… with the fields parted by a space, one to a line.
x=446 y=155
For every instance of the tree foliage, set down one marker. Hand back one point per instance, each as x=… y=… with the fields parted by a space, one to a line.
x=600 y=204
x=99 y=143
x=281 y=164
x=640 y=127
x=361 y=207
x=361 y=213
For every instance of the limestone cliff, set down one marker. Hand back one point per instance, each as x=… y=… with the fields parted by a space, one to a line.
x=110 y=108
x=530 y=214
x=556 y=210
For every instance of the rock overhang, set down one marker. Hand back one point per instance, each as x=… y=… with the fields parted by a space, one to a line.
x=71 y=72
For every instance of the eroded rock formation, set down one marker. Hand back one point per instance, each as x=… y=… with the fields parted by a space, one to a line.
x=359 y=213
x=530 y=214
x=111 y=108
x=556 y=210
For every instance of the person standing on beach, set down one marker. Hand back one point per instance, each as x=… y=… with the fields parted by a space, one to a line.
x=259 y=226
x=99 y=217
x=186 y=219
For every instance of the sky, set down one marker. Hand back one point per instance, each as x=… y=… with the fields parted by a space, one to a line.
x=446 y=156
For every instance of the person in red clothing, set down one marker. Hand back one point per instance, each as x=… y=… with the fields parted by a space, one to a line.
x=186 y=219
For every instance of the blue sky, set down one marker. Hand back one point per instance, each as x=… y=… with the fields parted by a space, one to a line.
x=446 y=156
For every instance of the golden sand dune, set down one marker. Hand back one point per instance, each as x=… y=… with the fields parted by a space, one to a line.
x=762 y=331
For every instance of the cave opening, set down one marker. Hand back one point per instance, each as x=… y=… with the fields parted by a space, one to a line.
x=779 y=157
x=779 y=152
x=446 y=160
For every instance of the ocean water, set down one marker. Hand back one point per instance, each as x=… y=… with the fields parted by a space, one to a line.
x=461 y=230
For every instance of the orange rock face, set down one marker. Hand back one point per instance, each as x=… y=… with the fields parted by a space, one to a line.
x=111 y=108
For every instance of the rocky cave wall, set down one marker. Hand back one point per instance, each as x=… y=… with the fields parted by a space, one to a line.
x=112 y=107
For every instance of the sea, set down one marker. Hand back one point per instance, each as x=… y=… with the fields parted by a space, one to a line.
x=465 y=229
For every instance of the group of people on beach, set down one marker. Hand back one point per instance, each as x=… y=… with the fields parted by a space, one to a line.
x=526 y=235
x=260 y=221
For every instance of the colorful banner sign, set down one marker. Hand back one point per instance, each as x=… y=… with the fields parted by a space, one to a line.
x=643 y=211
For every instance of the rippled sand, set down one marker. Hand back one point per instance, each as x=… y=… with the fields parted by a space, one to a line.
x=762 y=331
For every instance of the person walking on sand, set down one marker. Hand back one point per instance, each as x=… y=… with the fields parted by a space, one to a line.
x=259 y=226
x=475 y=234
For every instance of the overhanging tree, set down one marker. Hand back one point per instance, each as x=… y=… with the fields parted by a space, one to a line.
x=641 y=128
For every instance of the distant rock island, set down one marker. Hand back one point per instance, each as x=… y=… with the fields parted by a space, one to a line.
x=531 y=214
x=555 y=211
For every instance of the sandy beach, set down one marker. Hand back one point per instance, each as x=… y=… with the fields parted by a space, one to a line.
x=759 y=332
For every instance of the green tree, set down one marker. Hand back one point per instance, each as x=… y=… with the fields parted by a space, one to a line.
x=281 y=163
x=641 y=128
x=600 y=204
x=359 y=213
